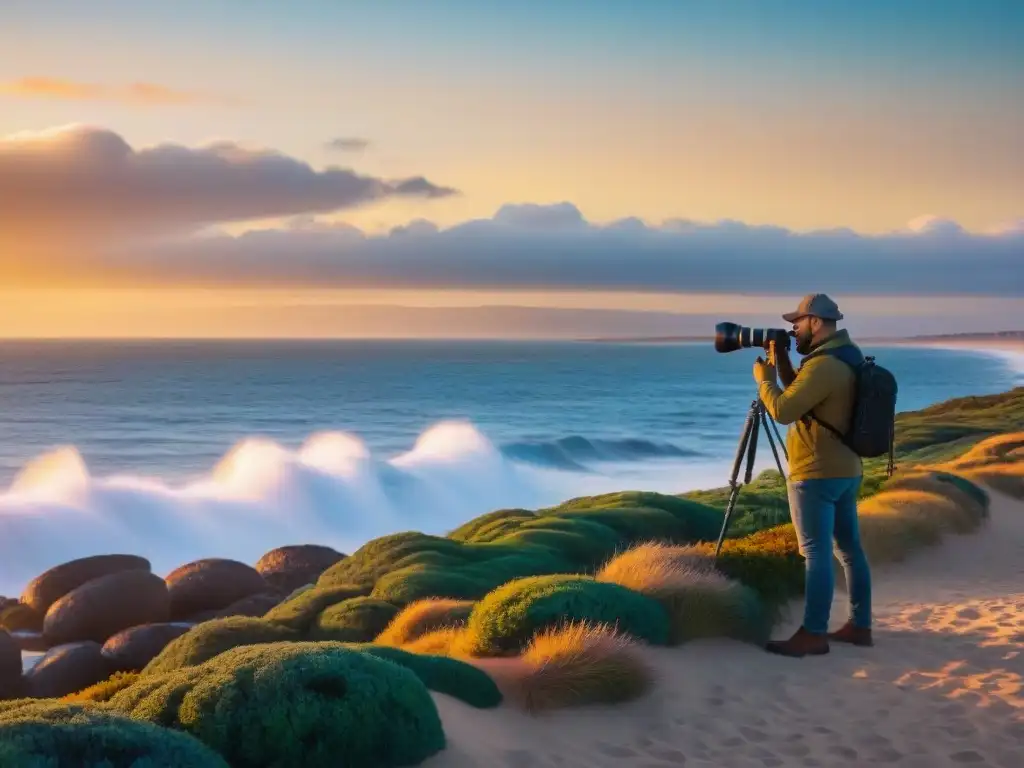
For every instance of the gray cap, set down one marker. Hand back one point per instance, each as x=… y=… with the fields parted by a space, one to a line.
x=817 y=304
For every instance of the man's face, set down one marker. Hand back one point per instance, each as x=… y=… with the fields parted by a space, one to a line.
x=803 y=331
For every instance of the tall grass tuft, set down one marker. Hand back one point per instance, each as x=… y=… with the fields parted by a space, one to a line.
x=700 y=600
x=424 y=617
x=578 y=664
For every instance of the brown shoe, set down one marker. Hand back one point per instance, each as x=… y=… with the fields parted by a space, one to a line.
x=848 y=633
x=802 y=643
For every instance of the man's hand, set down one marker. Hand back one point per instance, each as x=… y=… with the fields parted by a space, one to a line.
x=780 y=359
x=764 y=371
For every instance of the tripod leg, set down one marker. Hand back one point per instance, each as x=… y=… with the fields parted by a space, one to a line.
x=752 y=447
x=771 y=442
x=748 y=428
x=782 y=443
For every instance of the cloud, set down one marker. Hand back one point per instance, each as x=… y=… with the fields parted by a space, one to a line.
x=348 y=144
x=84 y=184
x=554 y=247
x=139 y=94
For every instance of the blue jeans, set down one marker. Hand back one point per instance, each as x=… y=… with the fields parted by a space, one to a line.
x=824 y=510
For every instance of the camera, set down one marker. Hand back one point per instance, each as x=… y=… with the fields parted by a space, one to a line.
x=730 y=336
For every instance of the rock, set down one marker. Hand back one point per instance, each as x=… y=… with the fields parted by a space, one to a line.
x=288 y=568
x=10 y=667
x=105 y=606
x=132 y=649
x=211 y=584
x=67 y=669
x=254 y=606
x=50 y=586
x=19 y=617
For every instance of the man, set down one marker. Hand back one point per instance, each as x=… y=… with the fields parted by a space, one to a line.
x=824 y=474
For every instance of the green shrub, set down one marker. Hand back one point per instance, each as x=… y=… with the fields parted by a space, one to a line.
x=206 y=640
x=445 y=675
x=358 y=620
x=697 y=521
x=295 y=705
x=505 y=620
x=46 y=733
x=300 y=611
x=469 y=531
x=582 y=542
x=379 y=556
x=406 y=585
x=632 y=523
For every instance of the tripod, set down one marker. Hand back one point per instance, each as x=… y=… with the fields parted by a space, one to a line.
x=756 y=417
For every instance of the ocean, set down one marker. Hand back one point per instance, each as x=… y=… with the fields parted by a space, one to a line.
x=182 y=450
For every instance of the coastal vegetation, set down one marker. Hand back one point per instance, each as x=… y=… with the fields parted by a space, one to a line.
x=537 y=609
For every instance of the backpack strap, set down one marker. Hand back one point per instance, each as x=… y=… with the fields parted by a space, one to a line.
x=840 y=353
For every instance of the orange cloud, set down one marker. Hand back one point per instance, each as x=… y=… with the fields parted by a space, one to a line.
x=141 y=94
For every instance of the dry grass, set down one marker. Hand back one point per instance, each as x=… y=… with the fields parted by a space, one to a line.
x=104 y=690
x=450 y=641
x=425 y=617
x=1005 y=448
x=895 y=523
x=1005 y=478
x=700 y=600
x=926 y=480
x=997 y=462
x=574 y=665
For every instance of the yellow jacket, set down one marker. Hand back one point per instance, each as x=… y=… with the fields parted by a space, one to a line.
x=823 y=385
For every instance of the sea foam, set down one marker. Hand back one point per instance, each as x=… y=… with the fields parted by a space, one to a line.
x=261 y=495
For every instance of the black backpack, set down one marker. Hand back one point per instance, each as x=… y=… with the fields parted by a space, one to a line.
x=872 y=429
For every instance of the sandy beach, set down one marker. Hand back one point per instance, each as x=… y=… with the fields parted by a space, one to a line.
x=943 y=685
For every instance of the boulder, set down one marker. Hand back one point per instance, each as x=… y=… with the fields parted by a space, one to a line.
x=254 y=605
x=132 y=649
x=18 y=617
x=288 y=568
x=103 y=607
x=47 y=588
x=211 y=584
x=66 y=669
x=10 y=667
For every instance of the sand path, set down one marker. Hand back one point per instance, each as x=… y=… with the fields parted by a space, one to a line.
x=942 y=686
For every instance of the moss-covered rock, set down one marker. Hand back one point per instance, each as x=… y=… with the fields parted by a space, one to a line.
x=358 y=620
x=505 y=620
x=37 y=733
x=300 y=611
x=206 y=640
x=472 y=530
x=301 y=705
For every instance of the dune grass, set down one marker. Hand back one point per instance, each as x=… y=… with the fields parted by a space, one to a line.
x=576 y=665
x=424 y=617
x=997 y=462
x=700 y=600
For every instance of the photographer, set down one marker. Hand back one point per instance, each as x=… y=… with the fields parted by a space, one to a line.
x=824 y=474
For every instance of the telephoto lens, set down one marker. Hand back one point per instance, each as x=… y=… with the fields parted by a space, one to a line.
x=731 y=336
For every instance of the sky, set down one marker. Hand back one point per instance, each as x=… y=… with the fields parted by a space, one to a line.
x=404 y=168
